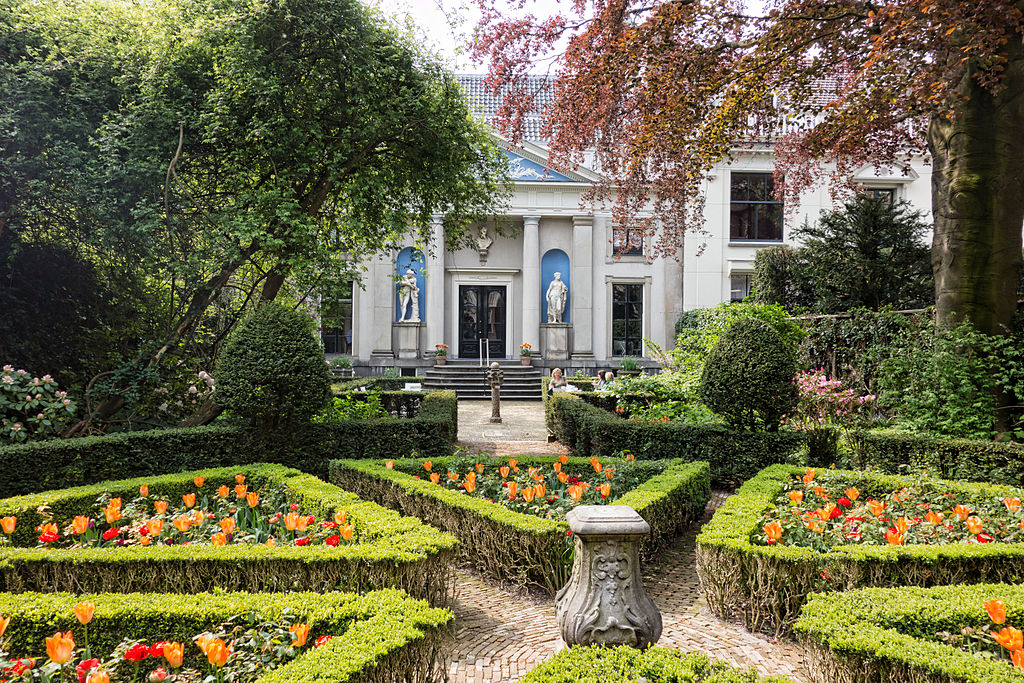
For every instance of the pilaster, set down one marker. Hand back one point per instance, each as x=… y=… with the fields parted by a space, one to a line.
x=435 y=285
x=531 y=282
x=582 y=295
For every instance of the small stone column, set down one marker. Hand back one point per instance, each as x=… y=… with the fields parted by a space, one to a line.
x=495 y=378
x=531 y=280
x=604 y=602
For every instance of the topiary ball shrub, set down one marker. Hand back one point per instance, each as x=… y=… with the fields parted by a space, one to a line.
x=272 y=370
x=748 y=376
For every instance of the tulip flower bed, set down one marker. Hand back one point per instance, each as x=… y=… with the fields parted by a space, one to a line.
x=625 y=665
x=778 y=540
x=954 y=634
x=240 y=637
x=523 y=538
x=259 y=527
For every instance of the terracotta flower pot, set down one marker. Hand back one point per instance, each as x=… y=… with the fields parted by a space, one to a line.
x=440 y=360
x=525 y=360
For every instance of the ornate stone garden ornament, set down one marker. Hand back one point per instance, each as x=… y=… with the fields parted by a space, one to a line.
x=409 y=292
x=604 y=602
x=556 y=296
x=495 y=378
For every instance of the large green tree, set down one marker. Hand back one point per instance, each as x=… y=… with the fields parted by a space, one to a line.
x=665 y=89
x=220 y=144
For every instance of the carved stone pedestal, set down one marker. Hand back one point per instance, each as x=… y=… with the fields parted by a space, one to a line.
x=604 y=602
x=555 y=340
x=407 y=338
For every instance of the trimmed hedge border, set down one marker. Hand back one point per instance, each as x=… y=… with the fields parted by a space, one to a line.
x=394 y=551
x=767 y=585
x=373 y=384
x=624 y=664
x=516 y=546
x=380 y=636
x=971 y=460
x=887 y=634
x=59 y=464
x=734 y=455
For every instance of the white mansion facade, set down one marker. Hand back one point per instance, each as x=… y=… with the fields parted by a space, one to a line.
x=490 y=299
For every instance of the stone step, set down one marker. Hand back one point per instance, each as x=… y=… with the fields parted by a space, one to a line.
x=468 y=380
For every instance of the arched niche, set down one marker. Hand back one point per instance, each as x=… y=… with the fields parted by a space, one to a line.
x=555 y=261
x=411 y=257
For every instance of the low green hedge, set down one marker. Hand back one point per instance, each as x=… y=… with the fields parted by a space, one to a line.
x=734 y=455
x=374 y=384
x=767 y=585
x=628 y=665
x=889 y=634
x=513 y=545
x=392 y=551
x=59 y=464
x=380 y=636
x=895 y=451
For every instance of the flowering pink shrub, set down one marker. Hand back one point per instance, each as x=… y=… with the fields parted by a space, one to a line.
x=826 y=402
x=31 y=408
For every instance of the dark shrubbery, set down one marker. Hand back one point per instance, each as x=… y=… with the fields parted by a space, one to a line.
x=272 y=370
x=748 y=376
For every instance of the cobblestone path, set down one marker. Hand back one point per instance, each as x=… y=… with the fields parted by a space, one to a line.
x=501 y=634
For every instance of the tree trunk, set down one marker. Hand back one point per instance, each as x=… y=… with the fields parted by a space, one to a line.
x=978 y=201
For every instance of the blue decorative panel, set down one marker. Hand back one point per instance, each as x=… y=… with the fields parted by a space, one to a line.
x=410 y=257
x=521 y=168
x=555 y=261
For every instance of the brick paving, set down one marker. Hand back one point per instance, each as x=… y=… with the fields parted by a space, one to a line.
x=502 y=633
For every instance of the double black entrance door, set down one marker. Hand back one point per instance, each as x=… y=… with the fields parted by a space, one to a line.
x=481 y=316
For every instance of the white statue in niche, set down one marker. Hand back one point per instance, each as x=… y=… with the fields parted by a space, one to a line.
x=483 y=243
x=409 y=293
x=556 y=296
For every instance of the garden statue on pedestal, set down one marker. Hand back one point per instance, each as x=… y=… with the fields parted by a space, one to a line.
x=556 y=296
x=495 y=378
x=409 y=293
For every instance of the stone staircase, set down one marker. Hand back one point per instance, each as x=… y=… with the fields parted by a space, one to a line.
x=468 y=380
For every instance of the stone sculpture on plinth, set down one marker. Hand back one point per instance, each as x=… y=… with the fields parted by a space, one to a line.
x=409 y=293
x=604 y=602
x=556 y=296
x=495 y=378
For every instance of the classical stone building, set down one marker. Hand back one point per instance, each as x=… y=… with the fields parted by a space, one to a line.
x=487 y=300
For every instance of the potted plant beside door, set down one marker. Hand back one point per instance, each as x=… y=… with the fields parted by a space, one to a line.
x=440 y=354
x=525 y=353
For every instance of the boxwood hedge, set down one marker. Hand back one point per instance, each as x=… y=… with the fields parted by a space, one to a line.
x=588 y=425
x=392 y=551
x=380 y=636
x=889 y=634
x=59 y=464
x=766 y=586
x=516 y=546
x=625 y=665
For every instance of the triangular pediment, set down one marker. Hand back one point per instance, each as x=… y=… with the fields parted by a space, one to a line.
x=869 y=175
x=527 y=163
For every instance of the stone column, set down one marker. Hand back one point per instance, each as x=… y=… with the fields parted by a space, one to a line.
x=531 y=283
x=382 y=290
x=435 y=286
x=582 y=287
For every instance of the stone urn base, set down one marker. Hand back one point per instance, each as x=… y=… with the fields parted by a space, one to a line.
x=525 y=360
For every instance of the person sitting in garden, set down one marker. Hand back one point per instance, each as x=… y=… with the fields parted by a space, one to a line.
x=558 y=382
x=601 y=380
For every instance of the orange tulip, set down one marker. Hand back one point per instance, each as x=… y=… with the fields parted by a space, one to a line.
x=98 y=676
x=300 y=632
x=996 y=611
x=174 y=653
x=816 y=525
x=540 y=490
x=876 y=507
x=145 y=540
x=605 y=490
x=974 y=524
x=557 y=467
x=291 y=521
x=182 y=523
x=504 y=471
x=189 y=499
x=347 y=531
x=239 y=478
x=390 y=464
x=253 y=499
x=202 y=641
x=596 y=464
x=796 y=497
x=1010 y=638
x=428 y=465
x=115 y=503
x=4 y=623
x=60 y=648
x=199 y=481
x=933 y=517
x=454 y=476
x=161 y=506
x=7 y=524
x=773 y=530
x=271 y=542
x=513 y=487
x=894 y=537
x=575 y=492
x=84 y=611
x=240 y=490
x=217 y=652
x=630 y=457
x=564 y=459
x=198 y=517
x=1012 y=504
x=512 y=463
x=902 y=524
x=808 y=475
x=962 y=511
x=528 y=495
x=79 y=525
x=471 y=476
x=820 y=492
x=340 y=517
x=218 y=539
x=852 y=493
x=435 y=477
x=155 y=526
x=223 y=491
x=301 y=523
x=826 y=512
x=470 y=486
x=227 y=524
x=480 y=468
x=1017 y=657
x=608 y=473
x=563 y=477
x=144 y=490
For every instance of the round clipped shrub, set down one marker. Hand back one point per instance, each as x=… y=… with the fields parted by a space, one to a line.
x=272 y=370
x=748 y=376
